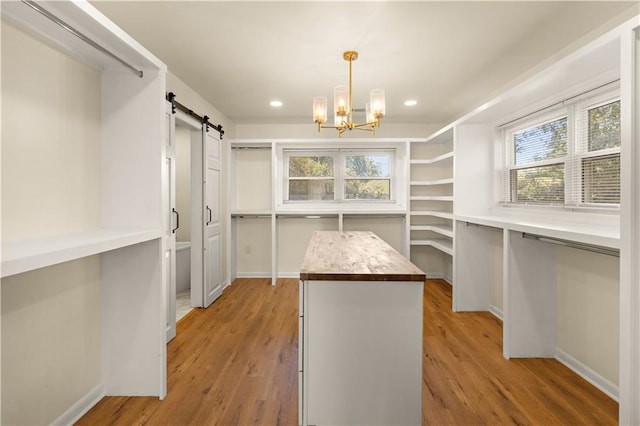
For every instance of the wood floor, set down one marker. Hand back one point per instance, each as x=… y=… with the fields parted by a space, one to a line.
x=235 y=363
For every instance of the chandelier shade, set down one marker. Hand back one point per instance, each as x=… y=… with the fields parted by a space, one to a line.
x=343 y=106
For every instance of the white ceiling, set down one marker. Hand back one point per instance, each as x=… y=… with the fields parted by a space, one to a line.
x=449 y=56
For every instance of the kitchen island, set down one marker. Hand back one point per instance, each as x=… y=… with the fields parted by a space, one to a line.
x=360 y=333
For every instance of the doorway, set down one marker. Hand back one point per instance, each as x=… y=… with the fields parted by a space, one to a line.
x=193 y=243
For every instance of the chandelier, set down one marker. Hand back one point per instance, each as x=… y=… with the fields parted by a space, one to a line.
x=343 y=109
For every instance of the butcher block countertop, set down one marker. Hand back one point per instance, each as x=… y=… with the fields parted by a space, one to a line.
x=355 y=256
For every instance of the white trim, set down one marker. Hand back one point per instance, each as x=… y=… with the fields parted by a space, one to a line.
x=496 y=312
x=289 y=275
x=439 y=276
x=588 y=374
x=80 y=407
x=253 y=275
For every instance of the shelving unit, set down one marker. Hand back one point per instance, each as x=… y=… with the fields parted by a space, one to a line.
x=431 y=199
x=529 y=260
x=252 y=200
x=128 y=232
x=250 y=172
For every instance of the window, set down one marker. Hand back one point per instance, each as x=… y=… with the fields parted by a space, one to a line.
x=539 y=154
x=311 y=177
x=600 y=162
x=339 y=175
x=367 y=177
x=568 y=157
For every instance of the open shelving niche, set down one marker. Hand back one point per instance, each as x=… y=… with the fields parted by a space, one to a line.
x=129 y=234
x=431 y=202
x=261 y=217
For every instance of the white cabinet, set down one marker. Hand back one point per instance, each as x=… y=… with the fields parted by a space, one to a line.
x=357 y=367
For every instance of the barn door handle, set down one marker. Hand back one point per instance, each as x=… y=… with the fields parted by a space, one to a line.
x=173 y=231
x=209 y=220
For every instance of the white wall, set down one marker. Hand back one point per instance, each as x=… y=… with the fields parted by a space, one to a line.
x=50 y=139
x=51 y=326
x=183 y=182
x=51 y=340
x=588 y=309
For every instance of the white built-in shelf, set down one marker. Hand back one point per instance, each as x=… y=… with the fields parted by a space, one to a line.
x=431 y=198
x=26 y=255
x=431 y=182
x=603 y=233
x=445 y=230
x=443 y=244
x=441 y=157
x=434 y=213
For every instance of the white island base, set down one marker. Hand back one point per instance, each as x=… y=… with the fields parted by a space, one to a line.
x=360 y=356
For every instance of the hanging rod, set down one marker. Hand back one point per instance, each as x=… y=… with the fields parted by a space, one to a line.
x=373 y=216
x=559 y=103
x=573 y=244
x=307 y=216
x=250 y=147
x=477 y=225
x=250 y=216
x=171 y=97
x=81 y=36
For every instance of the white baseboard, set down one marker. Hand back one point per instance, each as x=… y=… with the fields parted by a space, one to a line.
x=289 y=275
x=496 y=312
x=80 y=408
x=253 y=275
x=439 y=276
x=588 y=374
x=267 y=275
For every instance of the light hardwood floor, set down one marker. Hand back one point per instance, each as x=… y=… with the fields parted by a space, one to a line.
x=235 y=363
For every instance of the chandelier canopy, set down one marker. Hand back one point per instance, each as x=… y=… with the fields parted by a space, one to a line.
x=343 y=108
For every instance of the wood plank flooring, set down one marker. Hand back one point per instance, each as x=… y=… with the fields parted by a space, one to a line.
x=235 y=363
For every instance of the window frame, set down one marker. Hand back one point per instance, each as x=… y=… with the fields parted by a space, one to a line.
x=577 y=151
x=395 y=150
x=309 y=153
x=346 y=153
x=510 y=152
x=582 y=145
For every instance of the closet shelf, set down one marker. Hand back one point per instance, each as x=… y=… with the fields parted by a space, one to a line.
x=431 y=182
x=434 y=213
x=442 y=244
x=431 y=198
x=26 y=255
x=447 y=231
x=445 y=156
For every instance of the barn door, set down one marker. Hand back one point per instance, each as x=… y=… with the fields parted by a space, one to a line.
x=212 y=217
x=171 y=218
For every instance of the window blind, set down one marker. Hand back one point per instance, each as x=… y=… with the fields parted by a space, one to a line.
x=597 y=173
x=571 y=158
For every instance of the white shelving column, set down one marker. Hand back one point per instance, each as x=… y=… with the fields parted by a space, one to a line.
x=630 y=229
x=430 y=219
x=251 y=205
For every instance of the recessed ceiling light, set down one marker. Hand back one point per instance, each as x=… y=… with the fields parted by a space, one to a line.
x=276 y=104
x=410 y=102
